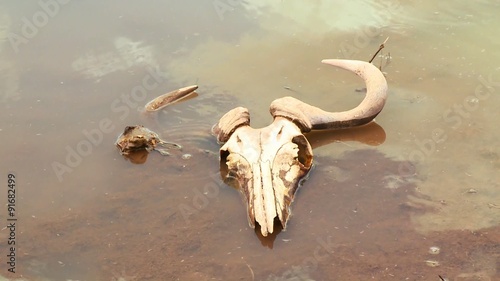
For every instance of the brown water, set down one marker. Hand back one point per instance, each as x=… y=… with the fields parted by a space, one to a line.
x=375 y=203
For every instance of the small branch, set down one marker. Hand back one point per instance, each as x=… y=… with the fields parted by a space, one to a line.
x=251 y=271
x=379 y=49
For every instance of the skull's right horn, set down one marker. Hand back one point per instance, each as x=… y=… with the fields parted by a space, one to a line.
x=309 y=117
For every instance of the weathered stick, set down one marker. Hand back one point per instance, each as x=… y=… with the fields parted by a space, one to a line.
x=379 y=49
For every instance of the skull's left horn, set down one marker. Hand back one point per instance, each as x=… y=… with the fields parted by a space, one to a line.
x=309 y=117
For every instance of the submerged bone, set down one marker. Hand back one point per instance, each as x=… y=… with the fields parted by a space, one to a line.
x=135 y=138
x=169 y=98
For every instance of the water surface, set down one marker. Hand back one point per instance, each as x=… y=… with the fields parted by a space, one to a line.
x=375 y=202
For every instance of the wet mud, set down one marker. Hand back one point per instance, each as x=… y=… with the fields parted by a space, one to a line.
x=346 y=223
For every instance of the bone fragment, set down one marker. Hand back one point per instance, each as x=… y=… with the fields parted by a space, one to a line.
x=169 y=98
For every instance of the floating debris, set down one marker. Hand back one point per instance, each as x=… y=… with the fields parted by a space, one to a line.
x=472 y=191
x=434 y=250
x=136 y=138
x=493 y=205
x=169 y=98
x=432 y=263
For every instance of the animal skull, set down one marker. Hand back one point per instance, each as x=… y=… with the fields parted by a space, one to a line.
x=269 y=163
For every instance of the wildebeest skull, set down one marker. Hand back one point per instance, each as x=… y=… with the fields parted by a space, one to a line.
x=269 y=163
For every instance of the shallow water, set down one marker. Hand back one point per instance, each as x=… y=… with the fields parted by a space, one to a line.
x=376 y=201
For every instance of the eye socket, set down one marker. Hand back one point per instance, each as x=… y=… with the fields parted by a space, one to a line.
x=223 y=158
x=229 y=177
x=224 y=169
x=305 y=156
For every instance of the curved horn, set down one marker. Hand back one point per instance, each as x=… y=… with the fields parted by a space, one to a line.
x=308 y=117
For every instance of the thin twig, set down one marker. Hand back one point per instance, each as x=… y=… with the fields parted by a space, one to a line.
x=379 y=49
x=251 y=271
x=381 y=58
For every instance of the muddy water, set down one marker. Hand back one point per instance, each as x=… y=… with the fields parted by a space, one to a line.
x=375 y=203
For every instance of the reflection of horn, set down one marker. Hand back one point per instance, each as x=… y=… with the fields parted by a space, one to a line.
x=370 y=134
x=309 y=117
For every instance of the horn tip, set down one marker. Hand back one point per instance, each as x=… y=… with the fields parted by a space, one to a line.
x=348 y=64
x=330 y=61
